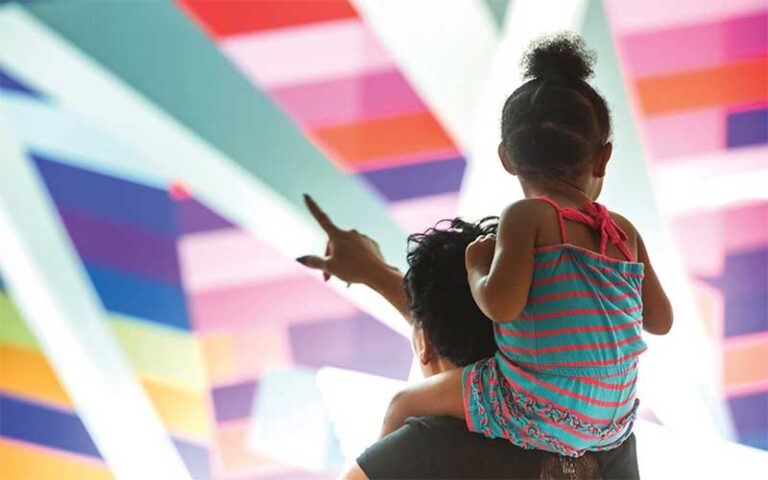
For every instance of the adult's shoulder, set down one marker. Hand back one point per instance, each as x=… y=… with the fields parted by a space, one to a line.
x=442 y=447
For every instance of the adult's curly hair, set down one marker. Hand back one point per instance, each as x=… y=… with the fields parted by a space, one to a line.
x=438 y=291
x=556 y=121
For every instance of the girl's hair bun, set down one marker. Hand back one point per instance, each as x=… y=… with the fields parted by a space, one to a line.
x=563 y=57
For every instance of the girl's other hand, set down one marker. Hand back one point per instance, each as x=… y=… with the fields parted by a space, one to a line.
x=479 y=253
x=349 y=255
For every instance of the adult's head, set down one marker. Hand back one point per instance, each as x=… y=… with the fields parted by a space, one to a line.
x=449 y=328
x=556 y=125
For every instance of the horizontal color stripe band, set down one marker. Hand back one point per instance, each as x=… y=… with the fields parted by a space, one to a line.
x=223 y=19
x=577 y=276
x=566 y=348
x=585 y=294
x=22 y=460
x=742 y=82
x=580 y=311
x=595 y=363
x=560 y=331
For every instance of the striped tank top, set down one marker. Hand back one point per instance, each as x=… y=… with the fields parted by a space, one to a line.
x=564 y=377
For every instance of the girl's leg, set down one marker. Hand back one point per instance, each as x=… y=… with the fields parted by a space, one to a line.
x=439 y=395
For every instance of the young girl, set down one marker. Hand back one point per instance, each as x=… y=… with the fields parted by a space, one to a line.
x=567 y=283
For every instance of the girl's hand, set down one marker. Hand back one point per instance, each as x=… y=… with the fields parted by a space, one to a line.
x=349 y=255
x=479 y=253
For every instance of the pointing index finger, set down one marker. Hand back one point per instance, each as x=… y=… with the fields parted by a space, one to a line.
x=319 y=215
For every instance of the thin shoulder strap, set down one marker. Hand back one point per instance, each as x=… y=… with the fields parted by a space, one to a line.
x=560 y=218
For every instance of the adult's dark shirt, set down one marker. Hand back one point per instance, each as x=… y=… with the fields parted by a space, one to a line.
x=442 y=447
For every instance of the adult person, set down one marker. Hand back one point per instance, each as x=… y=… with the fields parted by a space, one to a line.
x=449 y=331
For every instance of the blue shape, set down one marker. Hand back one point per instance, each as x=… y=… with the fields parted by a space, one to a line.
x=359 y=343
x=147 y=299
x=744 y=282
x=195 y=457
x=112 y=245
x=7 y=82
x=232 y=402
x=49 y=427
x=107 y=197
x=750 y=418
x=747 y=128
x=195 y=217
x=418 y=180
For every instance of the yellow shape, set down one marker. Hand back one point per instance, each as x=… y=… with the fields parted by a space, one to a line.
x=19 y=462
x=28 y=374
x=182 y=411
x=160 y=353
x=219 y=357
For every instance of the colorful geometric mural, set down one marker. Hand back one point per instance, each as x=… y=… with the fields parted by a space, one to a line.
x=243 y=354
x=353 y=101
x=700 y=85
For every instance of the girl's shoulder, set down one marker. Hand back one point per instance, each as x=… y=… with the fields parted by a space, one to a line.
x=528 y=212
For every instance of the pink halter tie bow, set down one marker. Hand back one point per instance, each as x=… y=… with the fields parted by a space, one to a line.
x=597 y=217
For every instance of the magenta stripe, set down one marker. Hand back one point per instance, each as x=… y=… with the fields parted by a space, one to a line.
x=589 y=363
x=577 y=276
x=562 y=391
x=584 y=294
x=565 y=348
x=695 y=47
x=349 y=99
x=611 y=386
x=560 y=331
x=580 y=311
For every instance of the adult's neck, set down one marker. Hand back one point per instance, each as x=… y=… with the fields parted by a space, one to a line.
x=438 y=365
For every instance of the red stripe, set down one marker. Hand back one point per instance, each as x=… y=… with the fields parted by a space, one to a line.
x=232 y=17
x=574 y=276
x=612 y=386
x=592 y=363
x=580 y=416
x=467 y=415
x=562 y=391
x=580 y=311
x=585 y=294
x=560 y=331
x=563 y=259
x=565 y=348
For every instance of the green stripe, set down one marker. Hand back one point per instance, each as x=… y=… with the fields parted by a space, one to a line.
x=163 y=354
x=13 y=329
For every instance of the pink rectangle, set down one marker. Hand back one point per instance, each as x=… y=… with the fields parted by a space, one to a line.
x=227 y=257
x=349 y=99
x=308 y=53
x=285 y=301
x=634 y=16
x=747 y=227
x=695 y=47
x=417 y=215
x=685 y=133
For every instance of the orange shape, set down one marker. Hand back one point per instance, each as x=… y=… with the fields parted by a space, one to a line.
x=352 y=145
x=735 y=83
